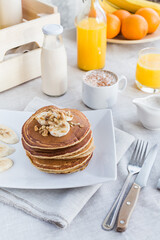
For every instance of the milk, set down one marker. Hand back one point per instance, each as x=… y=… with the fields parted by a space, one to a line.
x=53 y=61
x=54 y=71
x=10 y=12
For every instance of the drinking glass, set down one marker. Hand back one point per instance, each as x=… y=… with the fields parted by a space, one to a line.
x=148 y=70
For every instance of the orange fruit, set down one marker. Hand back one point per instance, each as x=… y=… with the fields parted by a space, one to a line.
x=134 y=27
x=151 y=17
x=113 y=25
x=121 y=14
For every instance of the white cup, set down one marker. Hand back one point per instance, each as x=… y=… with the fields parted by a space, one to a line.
x=103 y=96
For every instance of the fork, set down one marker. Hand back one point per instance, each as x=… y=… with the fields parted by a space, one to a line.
x=134 y=166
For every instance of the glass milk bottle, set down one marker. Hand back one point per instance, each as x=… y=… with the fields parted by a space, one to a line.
x=10 y=12
x=91 y=36
x=53 y=61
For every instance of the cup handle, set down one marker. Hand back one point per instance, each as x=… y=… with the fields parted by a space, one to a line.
x=124 y=84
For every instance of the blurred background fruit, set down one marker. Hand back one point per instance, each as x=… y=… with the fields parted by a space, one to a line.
x=113 y=25
x=134 y=27
x=124 y=4
x=151 y=17
x=133 y=5
x=108 y=7
x=121 y=14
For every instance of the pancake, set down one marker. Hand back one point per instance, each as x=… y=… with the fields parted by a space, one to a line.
x=58 y=152
x=81 y=154
x=58 y=166
x=58 y=140
x=64 y=171
x=75 y=135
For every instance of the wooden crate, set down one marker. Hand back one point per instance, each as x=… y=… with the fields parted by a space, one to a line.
x=21 y=67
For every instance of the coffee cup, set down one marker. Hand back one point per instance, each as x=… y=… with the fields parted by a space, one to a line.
x=101 y=87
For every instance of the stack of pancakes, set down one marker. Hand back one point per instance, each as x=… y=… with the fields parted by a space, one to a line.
x=66 y=154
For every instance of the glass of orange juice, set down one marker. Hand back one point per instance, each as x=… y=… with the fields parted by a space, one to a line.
x=148 y=70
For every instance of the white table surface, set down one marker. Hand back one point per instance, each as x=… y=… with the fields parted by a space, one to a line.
x=87 y=225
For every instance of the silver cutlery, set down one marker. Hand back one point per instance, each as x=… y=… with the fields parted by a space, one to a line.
x=134 y=167
x=132 y=197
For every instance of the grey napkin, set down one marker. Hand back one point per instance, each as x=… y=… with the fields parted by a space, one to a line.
x=58 y=207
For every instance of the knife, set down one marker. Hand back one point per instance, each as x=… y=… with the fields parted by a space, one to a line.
x=132 y=197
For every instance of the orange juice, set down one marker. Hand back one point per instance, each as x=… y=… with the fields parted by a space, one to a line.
x=148 y=70
x=91 y=44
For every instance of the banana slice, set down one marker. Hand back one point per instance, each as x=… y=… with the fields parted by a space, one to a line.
x=6 y=150
x=5 y=164
x=60 y=129
x=7 y=135
x=41 y=118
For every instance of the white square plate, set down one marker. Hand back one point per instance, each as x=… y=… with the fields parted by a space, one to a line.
x=102 y=167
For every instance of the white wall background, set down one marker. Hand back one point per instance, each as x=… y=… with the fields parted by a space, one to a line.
x=68 y=10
